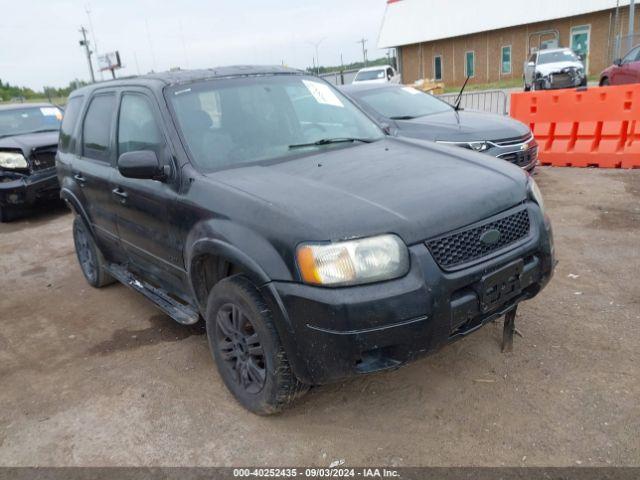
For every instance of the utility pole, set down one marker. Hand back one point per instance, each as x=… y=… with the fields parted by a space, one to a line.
x=85 y=43
x=93 y=36
x=363 y=41
x=632 y=14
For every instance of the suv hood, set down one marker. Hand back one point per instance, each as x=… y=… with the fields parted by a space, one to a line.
x=28 y=141
x=547 y=68
x=463 y=125
x=414 y=189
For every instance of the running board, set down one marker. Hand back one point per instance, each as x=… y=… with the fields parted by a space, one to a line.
x=180 y=312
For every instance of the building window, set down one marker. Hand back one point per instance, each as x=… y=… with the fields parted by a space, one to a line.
x=506 y=60
x=437 y=67
x=470 y=64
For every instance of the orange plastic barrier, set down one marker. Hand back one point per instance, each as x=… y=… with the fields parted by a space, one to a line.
x=598 y=126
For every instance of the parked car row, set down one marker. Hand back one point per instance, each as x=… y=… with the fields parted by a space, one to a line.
x=562 y=68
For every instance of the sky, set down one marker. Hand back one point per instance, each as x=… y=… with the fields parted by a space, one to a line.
x=39 y=38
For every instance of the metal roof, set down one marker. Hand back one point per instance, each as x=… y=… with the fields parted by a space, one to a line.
x=414 y=21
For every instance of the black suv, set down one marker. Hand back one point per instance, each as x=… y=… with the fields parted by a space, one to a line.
x=28 y=142
x=314 y=246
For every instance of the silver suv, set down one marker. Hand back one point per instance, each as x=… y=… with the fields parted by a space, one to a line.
x=554 y=68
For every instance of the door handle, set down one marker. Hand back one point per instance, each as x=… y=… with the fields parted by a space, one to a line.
x=118 y=192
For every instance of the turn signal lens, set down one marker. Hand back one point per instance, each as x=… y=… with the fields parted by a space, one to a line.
x=353 y=262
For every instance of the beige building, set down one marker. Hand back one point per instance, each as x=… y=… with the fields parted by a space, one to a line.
x=490 y=40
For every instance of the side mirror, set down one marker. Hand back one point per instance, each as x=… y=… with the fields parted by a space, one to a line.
x=617 y=62
x=531 y=64
x=143 y=164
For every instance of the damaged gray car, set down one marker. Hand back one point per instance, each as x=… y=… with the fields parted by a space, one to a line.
x=554 y=68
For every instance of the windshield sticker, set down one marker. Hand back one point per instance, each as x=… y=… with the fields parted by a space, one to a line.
x=322 y=93
x=51 y=112
x=411 y=90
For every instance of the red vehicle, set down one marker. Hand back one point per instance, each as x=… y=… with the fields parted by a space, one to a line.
x=624 y=70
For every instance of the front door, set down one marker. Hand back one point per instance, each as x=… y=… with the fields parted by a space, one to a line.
x=580 y=39
x=145 y=206
x=93 y=170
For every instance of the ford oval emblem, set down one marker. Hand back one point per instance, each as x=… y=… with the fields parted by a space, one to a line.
x=490 y=237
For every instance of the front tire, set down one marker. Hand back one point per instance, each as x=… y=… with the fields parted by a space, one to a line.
x=526 y=87
x=605 y=82
x=92 y=263
x=7 y=214
x=247 y=349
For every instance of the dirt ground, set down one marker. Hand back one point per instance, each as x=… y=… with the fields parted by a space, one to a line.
x=100 y=377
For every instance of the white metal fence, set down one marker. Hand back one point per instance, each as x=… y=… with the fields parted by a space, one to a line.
x=490 y=101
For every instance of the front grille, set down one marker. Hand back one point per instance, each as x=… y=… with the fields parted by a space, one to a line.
x=43 y=158
x=507 y=142
x=521 y=158
x=465 y=246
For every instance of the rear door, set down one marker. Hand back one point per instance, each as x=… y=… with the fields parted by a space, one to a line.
x=93 y=169
x=145 y=207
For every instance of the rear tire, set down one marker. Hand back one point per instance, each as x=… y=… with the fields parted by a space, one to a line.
x=247 y=349
x=92 y=263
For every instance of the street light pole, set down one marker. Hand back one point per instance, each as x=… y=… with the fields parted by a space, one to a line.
x=316 y=45
x=85 y=43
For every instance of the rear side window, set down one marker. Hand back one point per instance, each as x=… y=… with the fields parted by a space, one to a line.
x=97 y=127
x=67 y=131
x=137 y=127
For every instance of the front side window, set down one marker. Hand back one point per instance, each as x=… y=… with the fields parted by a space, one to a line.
x=18 y=121
x=229 y=122
x=68 y=128
x=437 y=68
x=370 y=75
x=96 y=139
x=470 y=64
x=137 y=126
x=506 y=60
x=402 y=102
x=632 y=56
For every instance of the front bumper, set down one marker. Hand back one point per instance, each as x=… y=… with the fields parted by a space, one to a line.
x=341 y=332
x=18 y=189
x=563 y=79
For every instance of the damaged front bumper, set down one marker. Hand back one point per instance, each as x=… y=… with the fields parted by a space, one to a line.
x=25 y=189
x=565 y=78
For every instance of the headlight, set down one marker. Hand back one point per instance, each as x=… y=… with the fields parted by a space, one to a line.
x=535 y=193
x=353 y=262
x=479 y=146
x=12 y=160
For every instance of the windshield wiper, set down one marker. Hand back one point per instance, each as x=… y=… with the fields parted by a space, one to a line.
x=328 y=141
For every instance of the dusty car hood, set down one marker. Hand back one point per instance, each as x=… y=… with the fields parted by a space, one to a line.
x=462 y=126
x=29 y=141
x=413 y=188
x=547 y=68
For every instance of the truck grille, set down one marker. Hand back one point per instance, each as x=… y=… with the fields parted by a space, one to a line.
x=522 y=158
x=465 y=246
x=43 y=158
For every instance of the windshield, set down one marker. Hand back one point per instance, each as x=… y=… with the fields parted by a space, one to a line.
x=16 y=121
x=402 y=102
x=233 y=121
x=558 y=56
x=370 y=75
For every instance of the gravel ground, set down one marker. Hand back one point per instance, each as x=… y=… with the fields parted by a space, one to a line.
x=100 y=377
